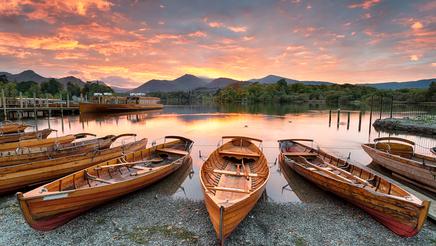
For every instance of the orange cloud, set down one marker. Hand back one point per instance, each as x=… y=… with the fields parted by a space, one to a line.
x=417 y=25
x=366 y=4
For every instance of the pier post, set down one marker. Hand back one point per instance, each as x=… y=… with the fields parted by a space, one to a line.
x=339 y=117
x=381 y=106
x=392 y=106
x=49 y=110
x=370 y=114
x=330 y=117
x=34 y=110
x=348 y=120
x=68 y=100
x=4 y=105
x=360 y=121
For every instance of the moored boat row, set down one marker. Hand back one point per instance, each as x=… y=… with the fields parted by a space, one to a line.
x=233 y=178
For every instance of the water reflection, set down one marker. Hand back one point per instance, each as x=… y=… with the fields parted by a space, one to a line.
x=205 y=124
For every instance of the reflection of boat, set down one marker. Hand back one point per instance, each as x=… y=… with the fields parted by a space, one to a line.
x=54 y=204
x=58 y=150
x=401 y=159
x=174 y=182
x=116 y=104
x=233 y=179
x=392 y=206
x=39 y=143
x=10 y=127
x=15 y=137
x=132 y=115
x=303 y=189
x=19 y=176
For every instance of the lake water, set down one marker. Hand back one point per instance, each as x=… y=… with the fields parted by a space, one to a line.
x=205 y=124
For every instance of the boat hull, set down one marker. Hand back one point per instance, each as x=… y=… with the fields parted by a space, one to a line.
x=408 y=168
x=12 y=128
x=21 y=176
x=233 y=215
x=95 y=107
x=45 y=211
x=15 y=137
x=404 y=219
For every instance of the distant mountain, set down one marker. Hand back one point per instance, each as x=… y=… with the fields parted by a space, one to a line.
x=418 y=84
x=271 y=79
x=120 y=89
x=185 y=83
x=221 y=83
x=30 y=75
x=72 y=80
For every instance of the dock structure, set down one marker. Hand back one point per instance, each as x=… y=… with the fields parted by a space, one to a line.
x=23 y=107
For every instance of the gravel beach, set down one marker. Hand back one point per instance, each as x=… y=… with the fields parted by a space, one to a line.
x=151 y=218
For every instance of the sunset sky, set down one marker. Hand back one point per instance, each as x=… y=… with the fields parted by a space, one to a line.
x=126 y=43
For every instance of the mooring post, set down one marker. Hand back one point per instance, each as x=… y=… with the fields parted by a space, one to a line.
x=4 y=105
x=62 y=108
x=330 y=117
x=339 y=117
x=370 y=114
x=49 y=110
x=348 y=120
x=392 y=105
x=360 y=121
x=68 y=100
x=34 y=110
x=381 y=106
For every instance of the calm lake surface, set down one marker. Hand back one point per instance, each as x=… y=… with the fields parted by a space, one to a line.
x=205 y=124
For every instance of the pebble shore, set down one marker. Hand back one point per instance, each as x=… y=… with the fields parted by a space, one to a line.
x=149 y=218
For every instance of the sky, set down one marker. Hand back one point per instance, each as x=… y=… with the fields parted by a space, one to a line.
x=126 y=43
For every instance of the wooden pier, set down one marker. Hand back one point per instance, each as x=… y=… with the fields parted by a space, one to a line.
x=21 y=107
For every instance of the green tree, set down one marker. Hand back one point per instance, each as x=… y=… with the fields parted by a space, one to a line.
x=73 y=89
x=52 y=87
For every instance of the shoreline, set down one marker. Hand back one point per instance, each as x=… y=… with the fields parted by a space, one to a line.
x=150 y=218
x=422 y=125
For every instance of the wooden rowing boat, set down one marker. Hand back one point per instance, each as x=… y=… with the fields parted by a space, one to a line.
x=233 y=179
x=54 y=204
x=392 y=206
x=16 y=137
x=17 y=177
x=39 y=143
x=29 y=155
x=398 y=155
x=10 y=127
x=119 y=104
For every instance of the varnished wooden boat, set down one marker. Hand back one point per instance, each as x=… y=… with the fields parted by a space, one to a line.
x=233 y=179
x=10 y=127
x=29 y=155
x=17 y=177
x=398 y=155
x=16 y=137
x=119 y=104
x=39 y=143
x=54 y=204
x=397 y=209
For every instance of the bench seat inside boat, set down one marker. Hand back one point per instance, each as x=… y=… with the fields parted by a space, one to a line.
x=299 y=154
x=241 y=154
x=233 y=173
x=173 y=151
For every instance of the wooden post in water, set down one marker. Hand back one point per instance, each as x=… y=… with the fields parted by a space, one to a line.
x=330 y=117
x=370 y=114
x=49 y=110
x=4 y=105
x=68 y=100
x=392 y=105
x=381 y=106
x=348 y=120
x=34 y=110
x=20 y=114
x=360 y=121
x=339 y=117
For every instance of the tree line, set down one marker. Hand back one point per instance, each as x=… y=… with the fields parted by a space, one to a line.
x=51 y=88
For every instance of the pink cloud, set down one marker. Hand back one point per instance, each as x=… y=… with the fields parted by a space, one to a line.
x=365 y=4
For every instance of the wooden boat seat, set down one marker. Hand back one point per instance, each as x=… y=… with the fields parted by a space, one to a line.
x=173 y=151
x=94 y=178
x=233 y=173
x=299 y=154
x=227 y=189
x=239 y=154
